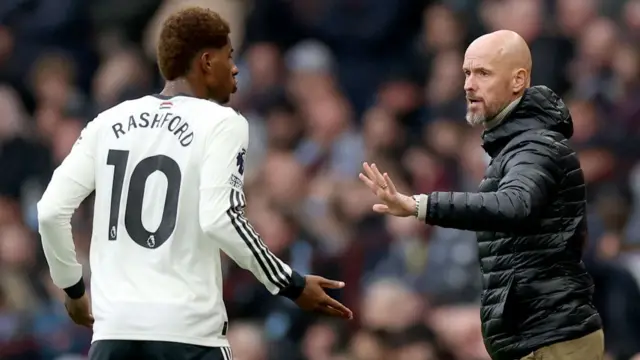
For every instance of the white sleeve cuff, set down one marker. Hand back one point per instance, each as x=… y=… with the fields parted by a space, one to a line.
x=422 y=206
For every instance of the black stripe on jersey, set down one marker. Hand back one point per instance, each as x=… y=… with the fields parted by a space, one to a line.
x=271 y=259
x=235 y=213
x=282 y=274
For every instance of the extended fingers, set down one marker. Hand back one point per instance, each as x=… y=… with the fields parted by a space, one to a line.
x=329 y=311
x=378 y=177
x=369 y=171
x=376 y=181
x=331 y=284
x=372 y=185
x=333 y=312
x=334 y=306
x=390 y=184
x=381 y=208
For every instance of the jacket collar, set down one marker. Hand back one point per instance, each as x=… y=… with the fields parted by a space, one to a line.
x=539 y=108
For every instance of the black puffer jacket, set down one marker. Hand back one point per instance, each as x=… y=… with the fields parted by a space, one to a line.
x=530 y=219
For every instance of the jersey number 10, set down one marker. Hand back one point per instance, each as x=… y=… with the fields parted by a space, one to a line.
x=133 y=208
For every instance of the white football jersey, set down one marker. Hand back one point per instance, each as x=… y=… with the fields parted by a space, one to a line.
x=168 y=177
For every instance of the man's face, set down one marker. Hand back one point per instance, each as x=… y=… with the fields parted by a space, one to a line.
x=220 y=77
x=487 y=85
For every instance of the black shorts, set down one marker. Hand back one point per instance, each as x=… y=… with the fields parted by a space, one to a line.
x=155 y=350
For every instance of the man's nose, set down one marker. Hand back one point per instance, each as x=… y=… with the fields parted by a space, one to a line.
x=469 y=84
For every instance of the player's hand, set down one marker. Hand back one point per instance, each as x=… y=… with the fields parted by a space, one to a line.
x=314 y=298
x=393 y=202
x=79 y=310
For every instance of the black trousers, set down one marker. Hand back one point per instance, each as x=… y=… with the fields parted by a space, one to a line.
x=155 y=350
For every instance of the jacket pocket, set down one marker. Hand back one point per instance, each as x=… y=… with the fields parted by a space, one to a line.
x=497 y=306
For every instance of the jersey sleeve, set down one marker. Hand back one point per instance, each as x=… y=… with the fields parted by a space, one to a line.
x=70 y=184
x=222 y=204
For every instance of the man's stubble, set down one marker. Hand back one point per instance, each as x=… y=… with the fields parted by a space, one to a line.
x=484 y=117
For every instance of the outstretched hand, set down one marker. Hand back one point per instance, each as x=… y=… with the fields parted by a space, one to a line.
x=314 y=298
x=393 y=202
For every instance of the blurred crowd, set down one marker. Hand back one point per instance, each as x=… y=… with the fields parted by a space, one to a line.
x=327 y=84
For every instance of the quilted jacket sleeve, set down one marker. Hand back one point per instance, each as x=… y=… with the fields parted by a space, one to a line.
x=531 y=175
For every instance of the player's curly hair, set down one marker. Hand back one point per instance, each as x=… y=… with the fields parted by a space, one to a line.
x=186 y=33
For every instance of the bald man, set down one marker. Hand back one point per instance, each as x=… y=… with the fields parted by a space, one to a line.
x=529 y=213
x=497 y=69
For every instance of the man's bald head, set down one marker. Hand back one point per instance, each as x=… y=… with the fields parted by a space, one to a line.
x=497 y=67
x=507 y=47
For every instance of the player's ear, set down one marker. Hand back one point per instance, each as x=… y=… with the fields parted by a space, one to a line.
x=205 y=61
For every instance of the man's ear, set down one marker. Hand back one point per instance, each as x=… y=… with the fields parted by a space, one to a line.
x=205 y=60
x=520 y=80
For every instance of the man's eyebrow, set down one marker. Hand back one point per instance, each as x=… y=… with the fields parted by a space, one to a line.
x=476 y=68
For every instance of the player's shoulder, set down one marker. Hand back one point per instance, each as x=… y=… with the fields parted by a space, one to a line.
x=105 y=117
x=90 y=134
x=217 y=116
x=115 y=112
x=215 y=111
x=124 y=106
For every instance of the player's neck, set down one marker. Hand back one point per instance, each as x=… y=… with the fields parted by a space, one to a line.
x=178 y=87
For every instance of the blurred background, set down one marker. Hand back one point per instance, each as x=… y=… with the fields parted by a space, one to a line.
x=325 y=85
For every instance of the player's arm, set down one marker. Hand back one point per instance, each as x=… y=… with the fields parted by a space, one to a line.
x=222 y=204
x=71 y=183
